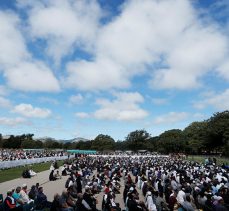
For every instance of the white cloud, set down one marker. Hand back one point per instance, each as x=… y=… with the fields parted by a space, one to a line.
x=28 y=110
x=12 y=45
x=217 y=100
x=98 y=75
x=32 y=77
x=124 y=108
x=19 y=68
x=4 y=103
x=73 y=24
x=148 y=33
x=82 y=115
x=199 y=50
x=76 y=99
x=5 y=121
x=223 y=70
x=3 y=90
x=171 y=117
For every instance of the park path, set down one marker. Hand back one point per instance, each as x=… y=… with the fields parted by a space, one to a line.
x=52 y=187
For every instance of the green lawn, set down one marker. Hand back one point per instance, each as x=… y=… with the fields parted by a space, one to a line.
x=201 y=159
x=13 y=173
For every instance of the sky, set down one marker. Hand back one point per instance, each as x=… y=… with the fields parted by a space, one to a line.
x=79 y=68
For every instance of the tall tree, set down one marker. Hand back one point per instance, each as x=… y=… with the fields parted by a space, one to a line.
x=103 y=142
x=218 y=132
x=171 y=141
x=138 y=140
x=195 y=135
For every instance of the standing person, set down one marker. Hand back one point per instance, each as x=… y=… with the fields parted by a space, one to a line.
x=172 y=200
x=149 y=202
x=79 y=184
x=131 y=203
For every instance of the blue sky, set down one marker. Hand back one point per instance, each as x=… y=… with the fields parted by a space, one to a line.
x=80 y=68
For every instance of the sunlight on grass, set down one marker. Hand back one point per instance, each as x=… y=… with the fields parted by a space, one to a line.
x=13 y=173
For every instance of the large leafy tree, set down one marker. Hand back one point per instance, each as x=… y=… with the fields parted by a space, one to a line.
x=103 y=142
x=138 y=140
x=84 y=145
x=52 y=144
x=13 y=142
x=218 y=132
x=1 y=140
x=195 y=135
x=172 y=141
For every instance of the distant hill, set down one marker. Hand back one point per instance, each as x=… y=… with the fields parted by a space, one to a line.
x=74 y=140
x=46 y=138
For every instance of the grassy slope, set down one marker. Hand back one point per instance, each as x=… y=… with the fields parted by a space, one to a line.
x=201 y=159
x=13 y=173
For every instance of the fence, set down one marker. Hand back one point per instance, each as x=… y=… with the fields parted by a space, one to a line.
x=15 y=163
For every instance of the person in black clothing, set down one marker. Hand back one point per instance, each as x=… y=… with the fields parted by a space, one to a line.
x=51 y=176
x=125 y=191
x=89 y=198
x=79 y=185
x=131 y=203
x=26 y=174
x=41 y=201
x=32 y=193
x=55 y=206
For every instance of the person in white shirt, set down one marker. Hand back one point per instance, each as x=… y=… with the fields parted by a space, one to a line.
x=149 y=202
x=181 y=196
x=24 y=195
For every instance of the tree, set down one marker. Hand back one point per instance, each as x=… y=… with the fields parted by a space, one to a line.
x=84 y=145
x=195 y=135
x=103 y=142
x=218 y=132
x=13 y=142
x=28 y=144
x=171 y=141
x=1 y=140
x=138 y=140
x=38 y=144
x=121 y=145
x=52 y=144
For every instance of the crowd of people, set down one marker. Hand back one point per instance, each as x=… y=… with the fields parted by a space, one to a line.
x=18 y=154
x=143 y=183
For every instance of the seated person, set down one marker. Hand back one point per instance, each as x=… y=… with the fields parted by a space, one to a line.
x=65 y=203
x=26 y=174
x=51 y=176
x=57 y=175
x=41 y=201
x=33 y=193
x=55 y=203
x=32 y=173
x=9 y=202
x=16 y=195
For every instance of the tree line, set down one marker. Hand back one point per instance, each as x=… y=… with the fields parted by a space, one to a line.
x=208 y=136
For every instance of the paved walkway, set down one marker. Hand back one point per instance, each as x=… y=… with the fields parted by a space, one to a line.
x=52 y=187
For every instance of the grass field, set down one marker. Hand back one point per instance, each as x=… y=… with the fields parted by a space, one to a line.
x=201 y=159
x=13 y=173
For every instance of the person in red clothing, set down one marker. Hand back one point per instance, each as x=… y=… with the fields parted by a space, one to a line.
x=10 y=203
